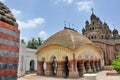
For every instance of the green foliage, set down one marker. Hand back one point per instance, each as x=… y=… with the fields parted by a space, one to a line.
x=34 y=43
x=23 y=41
x=90 y=71
x=116 y=62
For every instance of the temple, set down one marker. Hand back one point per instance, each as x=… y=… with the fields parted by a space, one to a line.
x=67 y=53
x=9 y=44
x=106 y=39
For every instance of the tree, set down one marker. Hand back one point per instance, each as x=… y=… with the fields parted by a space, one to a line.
x=23 y=41
x=116 y=62
x=34 y=43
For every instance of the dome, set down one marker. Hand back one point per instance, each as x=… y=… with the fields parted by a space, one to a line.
x=115 y=31
x=105 y=25
x=6 y=15
x=67 y=38
x=87 y=22
x=93 y=16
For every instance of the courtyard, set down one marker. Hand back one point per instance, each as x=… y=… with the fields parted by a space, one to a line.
x=100 y=76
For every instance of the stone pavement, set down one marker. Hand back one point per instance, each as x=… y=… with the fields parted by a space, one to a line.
x=100 y=76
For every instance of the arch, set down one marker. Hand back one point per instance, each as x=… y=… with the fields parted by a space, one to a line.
x=66 y=67
x=53 y=66
x=86 y=65
x=32 y=65
x=102 y=36
x=92 y=37
x=44 y=66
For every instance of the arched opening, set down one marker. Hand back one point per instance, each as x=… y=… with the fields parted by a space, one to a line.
x=85 y=64
x=79 y=67
x=32 y=65
x=54 y=66
x=66 y=67
x=92 y=65
x=44 y=66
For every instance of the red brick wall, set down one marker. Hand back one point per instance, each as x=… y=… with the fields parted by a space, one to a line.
x=9 y=53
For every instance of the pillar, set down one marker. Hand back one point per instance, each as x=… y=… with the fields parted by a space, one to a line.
x=92 y=64
x=87 y=65
x=99 y=65
x=96 y=65
x=82 y=67
x=60 y=69
x=49 y=70
x=73 y=71
x=40 y=68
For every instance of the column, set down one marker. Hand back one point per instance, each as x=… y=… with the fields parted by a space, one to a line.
x=82 y=67
x=99 y=64
x=48 y=71
x=93 y=65
x=96 y=65
x=60 y=69
x=40 y=69
x=87 y=65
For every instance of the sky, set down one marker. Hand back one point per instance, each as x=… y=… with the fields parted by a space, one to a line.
x=43 y=18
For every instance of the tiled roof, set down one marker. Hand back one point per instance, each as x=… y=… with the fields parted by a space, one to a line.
x=67 y=38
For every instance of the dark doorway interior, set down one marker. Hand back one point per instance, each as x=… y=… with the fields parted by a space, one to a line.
x=32 y=65
x=66 y=67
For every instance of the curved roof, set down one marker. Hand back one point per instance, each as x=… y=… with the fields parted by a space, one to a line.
x=93 y=16
x=115 y=31
x=68 y=38
x=6 y=15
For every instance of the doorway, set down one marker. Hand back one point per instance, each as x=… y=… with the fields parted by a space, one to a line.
x=66 y=68
x=32 y=65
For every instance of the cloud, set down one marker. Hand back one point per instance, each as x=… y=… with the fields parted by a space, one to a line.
x=16 y=12
x=43 y=35
x=65 y=1
x=30 y=23
x=2 y=1
x=85 y=6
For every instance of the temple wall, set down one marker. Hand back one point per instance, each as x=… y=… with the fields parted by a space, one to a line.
x=9 y=51
x=55 y=50
x=87 y=56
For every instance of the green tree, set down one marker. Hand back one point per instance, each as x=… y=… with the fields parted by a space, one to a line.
x=34 y=43
x=23 y=41
x=116 y=62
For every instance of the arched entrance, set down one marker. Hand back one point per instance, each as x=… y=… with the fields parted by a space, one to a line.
x=79 y=67
x=32 y=65
x=44 y=66
x=66 y=68
x=53 y=66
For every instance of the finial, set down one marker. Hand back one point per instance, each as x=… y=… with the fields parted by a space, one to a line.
x=92 y=10
x=68 y=24
x=64 y=23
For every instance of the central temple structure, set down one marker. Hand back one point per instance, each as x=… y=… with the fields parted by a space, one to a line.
x=68 y=54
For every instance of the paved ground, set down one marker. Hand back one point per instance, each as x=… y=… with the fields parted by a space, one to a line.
x=100 y=76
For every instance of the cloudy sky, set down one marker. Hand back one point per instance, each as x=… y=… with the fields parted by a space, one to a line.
x=42 y=18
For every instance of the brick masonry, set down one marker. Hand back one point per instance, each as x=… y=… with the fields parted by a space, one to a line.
x=9 y=49
x=9 y=44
